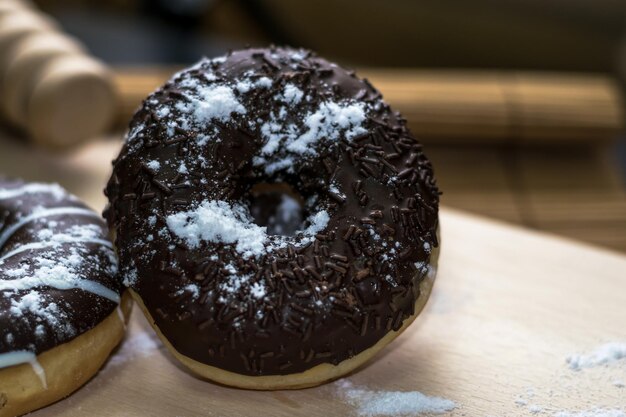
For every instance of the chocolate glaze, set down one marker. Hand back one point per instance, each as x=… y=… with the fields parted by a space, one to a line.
x=326 y=300
x=63 y=246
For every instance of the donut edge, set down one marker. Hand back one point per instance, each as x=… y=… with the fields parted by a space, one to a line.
x=317 y=375
x=68 y=366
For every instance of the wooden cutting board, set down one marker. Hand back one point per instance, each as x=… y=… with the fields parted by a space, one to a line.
x=509 y=306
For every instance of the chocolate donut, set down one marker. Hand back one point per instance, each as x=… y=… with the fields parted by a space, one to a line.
x=275 y=219
x=61 y=309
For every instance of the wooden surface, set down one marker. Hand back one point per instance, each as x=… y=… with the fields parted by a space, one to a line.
x=466 y=106
x=573 y=191
x=508 y=307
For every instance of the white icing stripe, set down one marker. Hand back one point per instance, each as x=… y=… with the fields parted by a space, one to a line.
x=42 y=214
x=51 y=244
x=20 y=357
x=16 y=358
x=38 y=369
x=34 y=188
x=86 y=285
x=120 y=315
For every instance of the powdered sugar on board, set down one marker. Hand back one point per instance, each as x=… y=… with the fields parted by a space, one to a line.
x=603 y=367
x=595 y=412
x=137 y=345
x=603 y=355
x=369 y=403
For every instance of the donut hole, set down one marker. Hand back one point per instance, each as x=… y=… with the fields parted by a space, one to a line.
x=278 y=207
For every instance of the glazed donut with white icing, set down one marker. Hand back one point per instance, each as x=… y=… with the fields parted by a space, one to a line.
x=61 y=306
x=275 y=220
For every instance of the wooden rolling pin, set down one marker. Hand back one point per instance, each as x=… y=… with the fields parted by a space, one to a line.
x=51 y=89
x=466 y=106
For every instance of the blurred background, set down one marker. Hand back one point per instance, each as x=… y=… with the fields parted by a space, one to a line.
x=519 y=102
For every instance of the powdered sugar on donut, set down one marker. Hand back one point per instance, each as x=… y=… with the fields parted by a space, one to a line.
x=207 y=98
x=154 y=165
x=231 y=223
x=291 y=94
x=45 y=311
x=246 y=85
x=215 y=103
x=219 y=221
x=286 y=142
x=62 y=273
x=202 y=101
x=49 y=250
